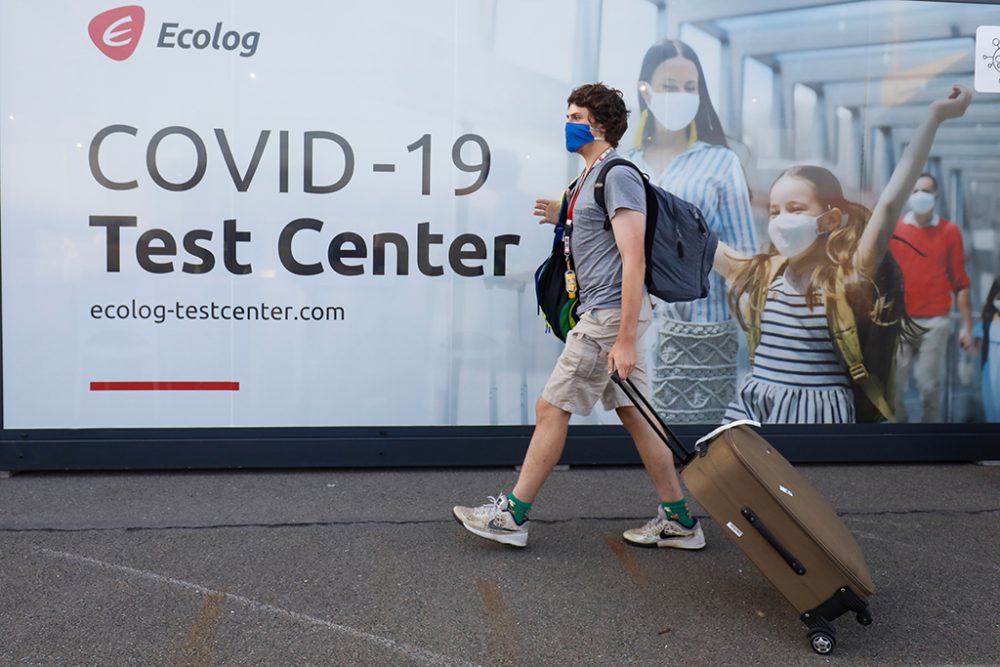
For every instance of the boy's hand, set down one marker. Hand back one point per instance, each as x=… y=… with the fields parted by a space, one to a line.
x=954 y=105
x=622 y=358
x=547 y=210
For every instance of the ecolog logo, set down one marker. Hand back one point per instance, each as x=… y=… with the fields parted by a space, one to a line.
x=116 y=33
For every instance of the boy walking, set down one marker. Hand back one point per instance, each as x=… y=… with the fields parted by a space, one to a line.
x=609 y=267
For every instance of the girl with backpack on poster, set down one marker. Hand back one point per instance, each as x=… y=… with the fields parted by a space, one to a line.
x=680 y=143
x=823 y=306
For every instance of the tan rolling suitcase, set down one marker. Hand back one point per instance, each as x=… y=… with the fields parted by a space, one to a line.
x=775 y=516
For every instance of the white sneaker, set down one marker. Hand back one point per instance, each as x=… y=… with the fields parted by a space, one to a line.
x=662 y=532
x=494 y=521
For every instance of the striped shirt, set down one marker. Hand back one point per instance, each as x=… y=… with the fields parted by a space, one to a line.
x=710 y=177
x=798 y=376
x=795 y=347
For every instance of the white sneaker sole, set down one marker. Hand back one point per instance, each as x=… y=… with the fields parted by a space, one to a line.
x=513 y=539
x=692 y=543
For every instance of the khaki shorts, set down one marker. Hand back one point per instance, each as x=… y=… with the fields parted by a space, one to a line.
x=581 y=373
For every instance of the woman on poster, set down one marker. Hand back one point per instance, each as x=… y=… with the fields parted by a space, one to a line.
x=680 y=144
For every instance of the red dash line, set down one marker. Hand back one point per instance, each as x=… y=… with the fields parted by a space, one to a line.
x=164 y=386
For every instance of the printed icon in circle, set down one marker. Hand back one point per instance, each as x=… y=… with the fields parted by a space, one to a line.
x=987 y=59
x=995 y=58
x=116 y=32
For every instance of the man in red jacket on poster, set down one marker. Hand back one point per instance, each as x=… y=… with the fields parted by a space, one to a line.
x=933 y=263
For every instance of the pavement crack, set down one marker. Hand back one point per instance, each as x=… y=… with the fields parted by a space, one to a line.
x=429 y=522
x=218 y=526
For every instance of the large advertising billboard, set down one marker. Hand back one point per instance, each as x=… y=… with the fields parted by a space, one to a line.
x=262 y=215
x=319 y=214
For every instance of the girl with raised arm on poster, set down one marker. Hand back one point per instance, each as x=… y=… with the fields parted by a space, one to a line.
x=823 y=306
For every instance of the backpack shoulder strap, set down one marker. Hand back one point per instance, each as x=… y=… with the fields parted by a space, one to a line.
x=564 y=202
x=564 y=199
x=602 y=176
x=757 y=300
x=844 y=329
x=560 y=226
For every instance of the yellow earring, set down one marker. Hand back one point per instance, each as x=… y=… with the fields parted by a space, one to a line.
x=693 y=134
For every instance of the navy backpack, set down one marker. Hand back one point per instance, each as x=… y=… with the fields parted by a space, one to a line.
x=680 y=248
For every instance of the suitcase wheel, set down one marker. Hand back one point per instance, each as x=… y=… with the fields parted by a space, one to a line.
x=822 y=642
x=864 y=618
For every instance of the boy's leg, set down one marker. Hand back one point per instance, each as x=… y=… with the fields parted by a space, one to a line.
x=544 y=451
x=666 y=528
x=575 y=385
x=504 y=519
x=656 y=457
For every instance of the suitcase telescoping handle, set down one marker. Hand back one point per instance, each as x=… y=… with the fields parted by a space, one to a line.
x=681 y=452
x=770 y=538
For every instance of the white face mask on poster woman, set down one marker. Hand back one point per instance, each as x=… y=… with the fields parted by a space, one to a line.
x=792 y=233
x=675 y=111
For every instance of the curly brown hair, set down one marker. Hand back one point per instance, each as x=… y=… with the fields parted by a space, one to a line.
x=606 y=106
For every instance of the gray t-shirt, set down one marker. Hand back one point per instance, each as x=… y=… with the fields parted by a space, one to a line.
x=596 y=258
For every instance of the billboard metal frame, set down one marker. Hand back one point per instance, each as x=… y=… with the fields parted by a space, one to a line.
x=442 y=446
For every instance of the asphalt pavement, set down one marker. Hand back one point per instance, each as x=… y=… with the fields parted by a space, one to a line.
x=348 y=567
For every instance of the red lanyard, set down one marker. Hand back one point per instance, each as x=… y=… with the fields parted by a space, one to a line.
x=568 y=232
x=579 y=187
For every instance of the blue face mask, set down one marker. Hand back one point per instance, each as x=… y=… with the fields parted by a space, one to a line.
x=578 y=135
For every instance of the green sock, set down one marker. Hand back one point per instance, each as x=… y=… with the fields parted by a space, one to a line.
x=518 y=508
x=678 y=511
